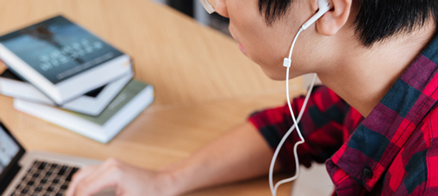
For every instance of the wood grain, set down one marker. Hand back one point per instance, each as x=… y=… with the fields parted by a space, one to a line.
x=2 y=66
x=204 y=85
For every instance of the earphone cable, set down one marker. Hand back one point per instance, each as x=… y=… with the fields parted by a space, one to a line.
x=287 y=63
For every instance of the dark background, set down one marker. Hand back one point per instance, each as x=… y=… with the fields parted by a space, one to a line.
x=184 y=6
x=187 y=7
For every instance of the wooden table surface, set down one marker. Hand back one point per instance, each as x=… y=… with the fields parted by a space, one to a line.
x=204 y=85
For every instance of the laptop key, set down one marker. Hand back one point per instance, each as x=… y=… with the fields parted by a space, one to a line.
x=62 y=170
x=51 y=188
x=43 y=181
x=55 y=181
x=35 y=175
x=49 y=173
x=70 y=175
x=38 y=189
x=24 y=191
x=42 y=165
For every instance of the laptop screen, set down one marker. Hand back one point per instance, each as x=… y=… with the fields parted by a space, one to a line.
x=8 y=149
x=10 y=153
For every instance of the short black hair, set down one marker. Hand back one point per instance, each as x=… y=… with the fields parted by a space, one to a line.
x=376 y=20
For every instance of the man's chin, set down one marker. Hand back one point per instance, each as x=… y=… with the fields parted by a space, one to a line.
x=279 y=75
x=275 y=76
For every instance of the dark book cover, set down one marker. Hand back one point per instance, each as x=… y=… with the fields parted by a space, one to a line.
x=59 y=49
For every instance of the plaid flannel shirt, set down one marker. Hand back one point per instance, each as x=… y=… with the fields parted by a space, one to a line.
x=394 y=151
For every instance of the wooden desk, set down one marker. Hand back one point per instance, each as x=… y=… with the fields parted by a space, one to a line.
x=204 y=85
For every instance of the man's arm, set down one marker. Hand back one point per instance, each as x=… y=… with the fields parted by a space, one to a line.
x=240 y=154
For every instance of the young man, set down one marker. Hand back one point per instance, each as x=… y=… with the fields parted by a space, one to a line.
x=376 y=128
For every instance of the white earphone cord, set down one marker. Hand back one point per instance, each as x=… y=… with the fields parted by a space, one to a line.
x=287 y=63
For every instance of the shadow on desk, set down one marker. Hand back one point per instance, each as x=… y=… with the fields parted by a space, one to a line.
x=254 y=187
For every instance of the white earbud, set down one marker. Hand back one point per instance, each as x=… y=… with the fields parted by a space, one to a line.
x=324 y=7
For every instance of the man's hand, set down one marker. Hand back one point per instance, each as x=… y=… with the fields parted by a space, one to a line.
x=227 y=159
x=126 y=179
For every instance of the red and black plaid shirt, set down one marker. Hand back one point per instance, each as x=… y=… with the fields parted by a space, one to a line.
x=394 y=151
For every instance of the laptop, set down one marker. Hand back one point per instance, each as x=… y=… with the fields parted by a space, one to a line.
x=36 y=173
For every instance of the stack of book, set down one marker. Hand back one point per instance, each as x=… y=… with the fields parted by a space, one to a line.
x=60 y=72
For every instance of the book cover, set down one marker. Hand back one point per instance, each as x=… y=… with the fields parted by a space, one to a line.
x=129 y=103
x=62 y=59
x=58 y=48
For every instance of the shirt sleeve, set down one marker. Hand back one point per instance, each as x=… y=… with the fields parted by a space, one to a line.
x=326 y=123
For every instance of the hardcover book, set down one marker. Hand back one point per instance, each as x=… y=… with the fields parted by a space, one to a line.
x=62 y=59
x=92 y=103
x=129 y=103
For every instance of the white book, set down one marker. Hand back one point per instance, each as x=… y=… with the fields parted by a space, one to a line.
x=62 y=59
x=91 y=103
x=129 y=103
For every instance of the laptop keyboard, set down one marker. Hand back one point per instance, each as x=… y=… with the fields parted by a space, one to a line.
x=45 y=179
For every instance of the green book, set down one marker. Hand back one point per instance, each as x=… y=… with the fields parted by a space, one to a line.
x=127 y=105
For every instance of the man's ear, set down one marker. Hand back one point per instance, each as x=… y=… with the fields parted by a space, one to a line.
x=332 y=21
x=222 y=9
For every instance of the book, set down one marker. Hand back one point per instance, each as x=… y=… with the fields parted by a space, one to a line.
x=129 y=103
x=62 y=59
x=92 y=103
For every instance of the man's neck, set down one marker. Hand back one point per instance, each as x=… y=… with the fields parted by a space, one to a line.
x=362 y=76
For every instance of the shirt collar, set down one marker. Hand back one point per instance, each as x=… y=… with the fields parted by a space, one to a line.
x=378 y=139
